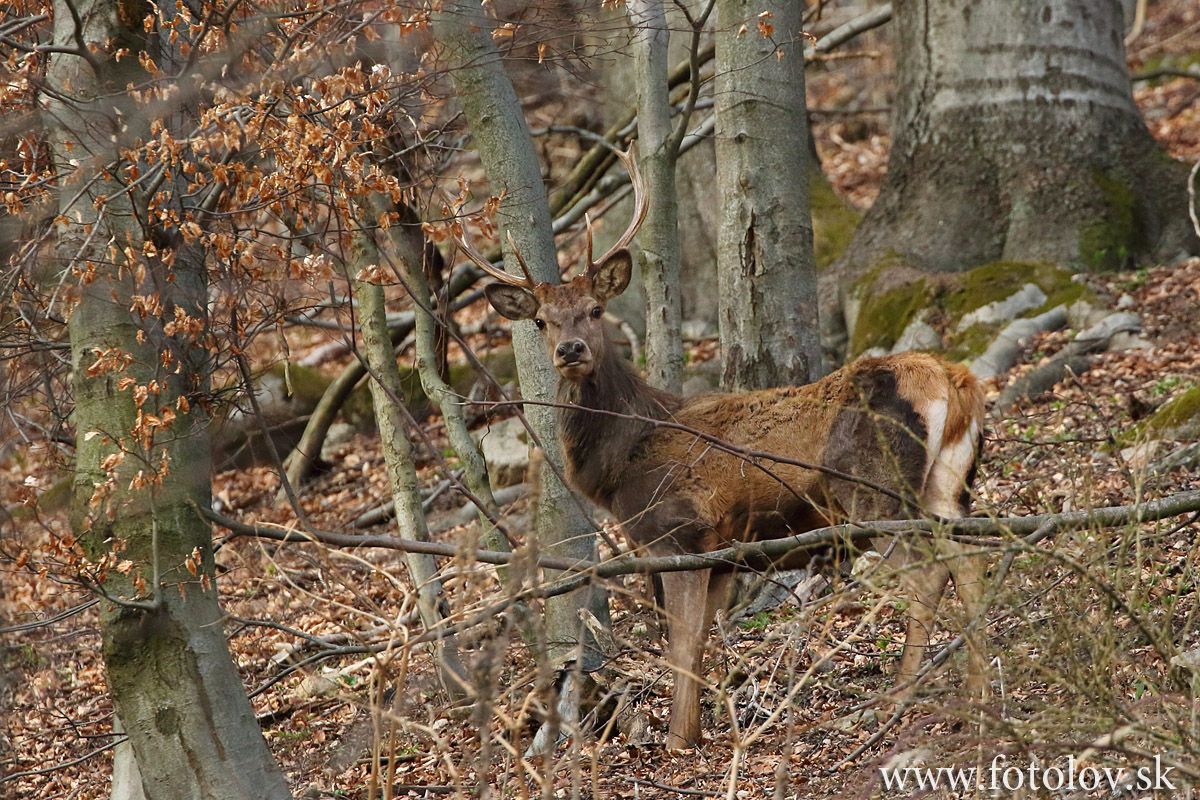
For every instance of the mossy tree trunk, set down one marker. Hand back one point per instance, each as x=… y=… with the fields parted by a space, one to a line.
x=1015 y=138
x=768 y=284
x=143 y=453
x=501 y=136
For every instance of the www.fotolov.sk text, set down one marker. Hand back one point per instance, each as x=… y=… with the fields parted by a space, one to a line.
x=1004 y=776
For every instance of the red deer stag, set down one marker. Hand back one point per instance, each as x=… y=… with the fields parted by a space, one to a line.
x=907 y=422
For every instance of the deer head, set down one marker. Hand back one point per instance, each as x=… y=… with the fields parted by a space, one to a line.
x=569 y=314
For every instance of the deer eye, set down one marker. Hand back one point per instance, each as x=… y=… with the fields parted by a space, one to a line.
x=541 y=324
x=597 y=312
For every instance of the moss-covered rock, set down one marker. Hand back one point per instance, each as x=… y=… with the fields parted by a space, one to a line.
x=1178 y=418
x=57 y=497
x=500 y=362
x=890 y=297
x=969 y=344
x=997 y=280
x=893 y=294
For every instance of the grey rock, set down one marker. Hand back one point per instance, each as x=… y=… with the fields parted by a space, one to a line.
x=1189 y=660
x=697 y=384
x=339 y=433
x=919 y=335
x=1027 y=297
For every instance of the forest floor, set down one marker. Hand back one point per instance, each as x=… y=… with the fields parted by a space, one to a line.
x=1071 y=662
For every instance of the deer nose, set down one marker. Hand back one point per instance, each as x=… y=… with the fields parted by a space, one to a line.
x=570 y=351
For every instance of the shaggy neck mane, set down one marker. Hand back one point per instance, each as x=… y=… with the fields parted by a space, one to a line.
x=599 y=447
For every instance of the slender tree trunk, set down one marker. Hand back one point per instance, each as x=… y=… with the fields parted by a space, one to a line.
x=448 y=401
x=386 y=391
x=138 y=480
x=659 y=236
x=768 y=289
x=501 y=136
x=410 y=250
x=1015 y=138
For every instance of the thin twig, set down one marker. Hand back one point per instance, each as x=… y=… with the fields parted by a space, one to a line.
x=280 y=534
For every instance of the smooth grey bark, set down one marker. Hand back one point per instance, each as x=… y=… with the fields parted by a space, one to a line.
x=765 y=266
x=501 y=137
x=659 y=236
x=167 y=663
x=386 y=391
x=126 y=778
x=1015 y=138
x=475 y=473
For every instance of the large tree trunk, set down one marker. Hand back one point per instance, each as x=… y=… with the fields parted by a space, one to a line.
x=1015 y=138
x=501 y=136
x=768 y=284
x=142 y=460
x=659 y=237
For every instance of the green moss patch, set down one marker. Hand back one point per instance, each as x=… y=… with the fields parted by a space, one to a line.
x=500 y=362
x=1109 y=242
x=57 y=497
x=990 y=283
x=834 y=221
x=1170 y=61
x=970 y=343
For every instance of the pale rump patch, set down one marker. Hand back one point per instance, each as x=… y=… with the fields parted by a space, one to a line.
x=948 y=476
x=950 y=402
x=934 y=414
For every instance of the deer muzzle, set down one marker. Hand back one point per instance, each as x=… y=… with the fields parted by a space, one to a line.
x=572 y=358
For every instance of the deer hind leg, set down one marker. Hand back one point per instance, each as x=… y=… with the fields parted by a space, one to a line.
x=924 y=582
x=691 y=600
x=945 y=494
x=968 y=573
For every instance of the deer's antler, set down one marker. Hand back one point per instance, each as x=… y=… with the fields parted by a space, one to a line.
x=640 y=205
x=527 y=282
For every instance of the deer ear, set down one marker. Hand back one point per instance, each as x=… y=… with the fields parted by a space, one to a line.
x=512 y=301
x=612 y=277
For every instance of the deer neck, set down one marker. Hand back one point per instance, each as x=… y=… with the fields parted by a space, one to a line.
x=601 y=447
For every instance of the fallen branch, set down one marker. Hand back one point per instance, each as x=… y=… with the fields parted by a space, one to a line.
x=844 y=33
x=1033 y=530
x=1186 y=457
x=468 y=512
x=387 y=511
x=970 y=529
x=1003 y=352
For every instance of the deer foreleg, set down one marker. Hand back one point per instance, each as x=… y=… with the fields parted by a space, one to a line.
x=686 y=596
